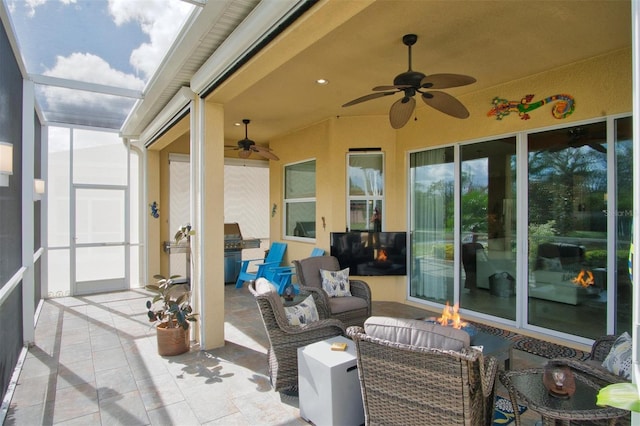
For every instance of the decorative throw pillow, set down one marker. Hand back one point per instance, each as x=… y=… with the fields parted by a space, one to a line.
x=336 y=283
x=263 y=286
x=304 y=312
x=618 y=361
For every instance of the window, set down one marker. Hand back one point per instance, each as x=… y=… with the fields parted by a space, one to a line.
x=365 y=194
x=300 y=199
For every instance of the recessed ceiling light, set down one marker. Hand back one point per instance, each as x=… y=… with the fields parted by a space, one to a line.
x=237 y=124
x=322 y=81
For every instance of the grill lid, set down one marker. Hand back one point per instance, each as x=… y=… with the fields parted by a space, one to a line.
x=232 y=231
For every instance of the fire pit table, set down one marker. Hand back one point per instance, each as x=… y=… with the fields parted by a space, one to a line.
x=493 y=345
x=496 y=346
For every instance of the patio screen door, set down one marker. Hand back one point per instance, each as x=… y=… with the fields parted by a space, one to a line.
x=99 y=239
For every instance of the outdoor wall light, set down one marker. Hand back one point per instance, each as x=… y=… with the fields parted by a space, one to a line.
x=6 y=163
x=38 y=189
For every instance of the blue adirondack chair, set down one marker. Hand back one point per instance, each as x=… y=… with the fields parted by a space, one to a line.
x=273 y=259
x=281 y=276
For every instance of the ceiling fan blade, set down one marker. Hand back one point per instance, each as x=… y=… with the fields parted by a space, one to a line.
x=368 y=98
x=230 y=147
x=446 y=103
x=265 y=152
x=392 y=87
x=444 y=81
x=598 y=147
x=401 y=111
x=244 y=153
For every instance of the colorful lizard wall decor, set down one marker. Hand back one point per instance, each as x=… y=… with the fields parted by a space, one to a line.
x=502 y=107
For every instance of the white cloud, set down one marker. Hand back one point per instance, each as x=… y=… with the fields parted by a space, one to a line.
x=161 y=20
x=93 y=69
x=32 y=5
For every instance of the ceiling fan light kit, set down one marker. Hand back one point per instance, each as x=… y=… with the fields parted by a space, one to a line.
x=411 y=82
x=246 y=146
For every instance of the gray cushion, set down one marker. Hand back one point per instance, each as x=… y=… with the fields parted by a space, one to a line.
x=345 y=304
x=308 y=270
x=416 y=333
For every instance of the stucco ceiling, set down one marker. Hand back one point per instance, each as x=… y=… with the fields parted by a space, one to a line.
x=358 y=45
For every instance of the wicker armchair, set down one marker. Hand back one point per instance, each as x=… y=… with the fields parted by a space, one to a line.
x=411 y=385
x=285 y=339
x=352 y=310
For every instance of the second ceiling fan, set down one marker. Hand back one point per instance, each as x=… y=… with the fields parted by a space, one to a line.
x=246 y=146
x=412 y=82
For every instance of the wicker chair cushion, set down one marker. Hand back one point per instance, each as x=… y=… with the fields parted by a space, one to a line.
x=416 y=333
x=336 y=283
x=304 y=312
x=339 y=305
x=263 y=286
x=619 y=359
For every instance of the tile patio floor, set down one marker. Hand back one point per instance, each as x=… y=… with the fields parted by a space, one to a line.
x=95 y=362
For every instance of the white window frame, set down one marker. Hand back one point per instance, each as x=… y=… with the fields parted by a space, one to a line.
x=290 y=201
x=367 y=197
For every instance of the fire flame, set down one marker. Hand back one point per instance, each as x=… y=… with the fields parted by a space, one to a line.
x=451 y=317
x=382 y=256
x=584 y=278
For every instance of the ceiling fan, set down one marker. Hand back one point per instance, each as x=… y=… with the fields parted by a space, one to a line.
x=246 y=146
x=412 y=82
x=580 y=136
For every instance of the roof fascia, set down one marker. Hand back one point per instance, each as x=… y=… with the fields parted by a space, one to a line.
x=255 y=28
x=165 y=118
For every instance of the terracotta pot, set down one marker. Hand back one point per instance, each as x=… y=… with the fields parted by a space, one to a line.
x=172 y=341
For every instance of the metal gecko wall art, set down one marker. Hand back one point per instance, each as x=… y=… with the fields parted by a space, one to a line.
x=565 y=105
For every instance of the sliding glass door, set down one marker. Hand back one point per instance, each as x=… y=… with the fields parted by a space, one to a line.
x=555 y=261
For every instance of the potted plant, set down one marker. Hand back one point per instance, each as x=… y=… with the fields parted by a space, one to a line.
x=171 y=310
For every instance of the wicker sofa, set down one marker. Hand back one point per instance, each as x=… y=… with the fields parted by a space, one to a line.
x=285 y=339
x=411 y=384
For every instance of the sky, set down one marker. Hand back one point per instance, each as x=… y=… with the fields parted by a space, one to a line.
x=112 y=42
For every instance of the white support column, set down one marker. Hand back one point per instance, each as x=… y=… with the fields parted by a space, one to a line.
x=44 y=214
x=207 y=165
x=28 y=284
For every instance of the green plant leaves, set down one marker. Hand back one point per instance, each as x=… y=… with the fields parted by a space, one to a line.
x=620 y=395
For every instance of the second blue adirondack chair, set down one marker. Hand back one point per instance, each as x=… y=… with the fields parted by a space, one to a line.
x=273 y=259
x=281 y=276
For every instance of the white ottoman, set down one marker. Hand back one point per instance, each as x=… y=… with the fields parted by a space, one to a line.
x=329 y=387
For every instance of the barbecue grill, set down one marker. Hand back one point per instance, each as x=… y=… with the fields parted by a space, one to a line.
x=233 y=246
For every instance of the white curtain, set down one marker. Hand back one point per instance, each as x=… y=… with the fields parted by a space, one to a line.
x=431 y=189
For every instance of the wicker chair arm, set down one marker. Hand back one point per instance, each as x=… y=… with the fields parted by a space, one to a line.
x=360 y=289
x=354 y=330
x=321 y=299
x=601 y=375
x=488 y=372
x=601 y=347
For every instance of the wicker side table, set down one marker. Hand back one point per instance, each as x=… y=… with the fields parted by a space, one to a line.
x=527 y=387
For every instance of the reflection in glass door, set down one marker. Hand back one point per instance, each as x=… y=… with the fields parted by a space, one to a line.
x=568 y=237
x=99 y=239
